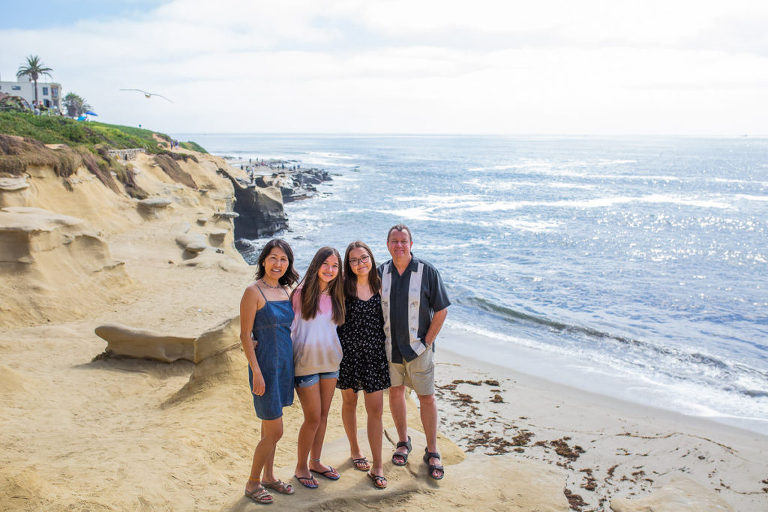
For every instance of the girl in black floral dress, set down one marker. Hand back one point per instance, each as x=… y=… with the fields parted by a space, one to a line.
x=364 y=365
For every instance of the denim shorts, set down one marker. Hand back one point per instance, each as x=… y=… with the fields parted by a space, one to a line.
x=304 y=381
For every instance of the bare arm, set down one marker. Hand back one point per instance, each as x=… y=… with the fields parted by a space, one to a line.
x=249 y=305
x=434 y=328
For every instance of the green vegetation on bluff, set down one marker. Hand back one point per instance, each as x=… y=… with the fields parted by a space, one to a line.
x=63 y=130
x=23 y=139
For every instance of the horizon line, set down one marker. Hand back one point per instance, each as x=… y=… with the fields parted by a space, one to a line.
x=438 y=134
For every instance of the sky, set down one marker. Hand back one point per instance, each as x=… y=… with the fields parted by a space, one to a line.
x=548 y=67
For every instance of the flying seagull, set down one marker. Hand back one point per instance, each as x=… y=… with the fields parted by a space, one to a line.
x=147 y=94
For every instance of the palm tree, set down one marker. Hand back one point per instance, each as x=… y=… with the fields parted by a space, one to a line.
x=75 y=105
x=34 y=69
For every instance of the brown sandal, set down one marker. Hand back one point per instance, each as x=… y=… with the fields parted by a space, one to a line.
x=279 y=486
x=361 y=464
x=260 y=495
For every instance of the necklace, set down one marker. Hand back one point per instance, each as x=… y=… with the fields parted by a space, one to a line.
x=269 y=285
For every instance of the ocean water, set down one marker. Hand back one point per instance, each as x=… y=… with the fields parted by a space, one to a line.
x=634 y=267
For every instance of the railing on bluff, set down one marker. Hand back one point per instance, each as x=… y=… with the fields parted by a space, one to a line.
x=125 y=154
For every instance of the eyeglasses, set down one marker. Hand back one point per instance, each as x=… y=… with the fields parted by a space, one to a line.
x=356 y=261
x=399 y=242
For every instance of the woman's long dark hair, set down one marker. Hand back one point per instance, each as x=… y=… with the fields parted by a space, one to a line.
x=290 y=276
x=350 y=278
x=309 y=288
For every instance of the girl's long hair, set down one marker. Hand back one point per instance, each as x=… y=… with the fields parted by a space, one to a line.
x=350 y=278
x=290 y=276
x=309 y=288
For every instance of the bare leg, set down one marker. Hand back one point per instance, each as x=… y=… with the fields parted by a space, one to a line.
x=349 y=418
x=310 y=405
x=268 y=474
x=374 y=406
x=428 y=410
x=327 y=389
x=399 y=414
x=264 y=454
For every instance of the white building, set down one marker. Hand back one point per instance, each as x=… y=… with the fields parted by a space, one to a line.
x=48 y=93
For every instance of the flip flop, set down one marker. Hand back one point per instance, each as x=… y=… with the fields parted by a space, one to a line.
x=433 y=467
x=361 y=464
x=330 y=473
x=398 y=458
x=260 y=495
x=279 y=486
x=379 y=481
x=307 y=481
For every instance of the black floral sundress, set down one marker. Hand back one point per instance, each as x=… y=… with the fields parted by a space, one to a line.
x=364 y=365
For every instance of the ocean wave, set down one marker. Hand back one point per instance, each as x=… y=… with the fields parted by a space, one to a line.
x=531 y=226
x=750 y=197
x=445 y=200
x=416 y=213
x=331 y=154
x=499 y=186
x=692 y=356
x=559 y=168
x=600 y=202
x=738 y=181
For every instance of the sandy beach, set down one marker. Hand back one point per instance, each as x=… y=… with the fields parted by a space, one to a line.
x=82 y=429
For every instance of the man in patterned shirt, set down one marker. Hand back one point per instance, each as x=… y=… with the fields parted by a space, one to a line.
x=414 y=303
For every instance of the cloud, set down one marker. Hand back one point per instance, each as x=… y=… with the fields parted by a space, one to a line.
x=420 y=66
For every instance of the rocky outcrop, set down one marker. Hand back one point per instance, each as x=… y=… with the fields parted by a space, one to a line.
x=260 y=210
x=294 y=185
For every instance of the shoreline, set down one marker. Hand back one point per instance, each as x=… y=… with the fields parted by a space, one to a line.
x=545 y=366
x=610 y=449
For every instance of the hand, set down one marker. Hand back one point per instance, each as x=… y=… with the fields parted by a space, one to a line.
x=428 y=343
x=258 y=384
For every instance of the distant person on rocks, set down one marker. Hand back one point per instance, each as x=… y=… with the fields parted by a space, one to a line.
x=414 y=303
x=265 y=333
x=318 y=304
x=364 y=365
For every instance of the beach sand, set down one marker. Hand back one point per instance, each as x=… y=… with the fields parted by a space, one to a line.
x=81 y=430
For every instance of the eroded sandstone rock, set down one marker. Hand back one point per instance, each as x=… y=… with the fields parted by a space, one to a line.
x=192 y=242
x=143 y=343
x=147 y=344
x=54 y=266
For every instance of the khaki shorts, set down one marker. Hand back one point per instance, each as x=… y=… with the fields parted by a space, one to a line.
x=419 y=374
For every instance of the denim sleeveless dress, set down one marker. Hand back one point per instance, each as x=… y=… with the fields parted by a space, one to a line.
x=274 y=353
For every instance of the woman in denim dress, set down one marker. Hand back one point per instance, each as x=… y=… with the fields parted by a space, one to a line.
x=265 y=333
